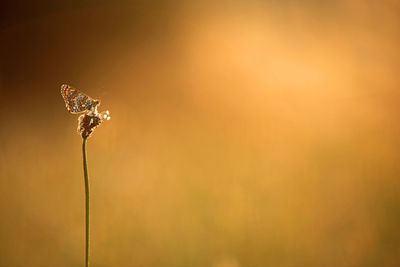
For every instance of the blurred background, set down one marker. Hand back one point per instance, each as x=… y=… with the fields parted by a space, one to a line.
x=243 y=133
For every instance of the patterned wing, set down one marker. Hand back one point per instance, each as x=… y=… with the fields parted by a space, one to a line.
x=76 y=101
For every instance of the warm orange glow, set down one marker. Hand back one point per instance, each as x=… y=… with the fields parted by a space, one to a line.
x=244 y=133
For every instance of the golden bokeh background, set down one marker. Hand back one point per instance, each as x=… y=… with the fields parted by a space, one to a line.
x=243 y=133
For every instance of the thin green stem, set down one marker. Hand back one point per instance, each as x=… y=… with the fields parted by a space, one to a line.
x=85 y=172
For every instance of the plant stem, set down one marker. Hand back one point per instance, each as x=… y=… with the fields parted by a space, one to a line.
x=85 y=172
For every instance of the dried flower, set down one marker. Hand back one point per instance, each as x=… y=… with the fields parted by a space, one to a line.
x=91 y=120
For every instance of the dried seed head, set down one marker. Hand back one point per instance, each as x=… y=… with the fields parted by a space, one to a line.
x=90 y=120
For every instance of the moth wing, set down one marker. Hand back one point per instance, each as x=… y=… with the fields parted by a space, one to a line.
x=76 y=101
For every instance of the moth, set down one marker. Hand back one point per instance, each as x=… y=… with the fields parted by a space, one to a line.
x=76 y=101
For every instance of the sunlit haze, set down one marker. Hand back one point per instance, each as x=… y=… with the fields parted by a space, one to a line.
x=243 y=133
